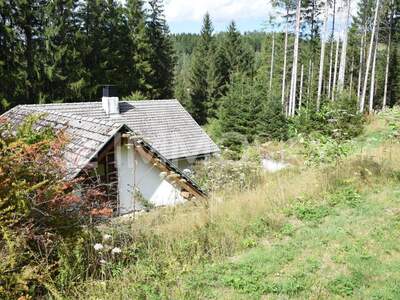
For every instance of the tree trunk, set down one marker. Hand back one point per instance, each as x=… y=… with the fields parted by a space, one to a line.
x=342 y=68
x=295 y=60
x=360 y=69
x=301 y=86
x=388 y=49
x=272 y=62
x=335 y=71
x=322 y=58
x=372 y=86
x=285 y=60
x=368 y=66
x=351 y=74
x=331 y=50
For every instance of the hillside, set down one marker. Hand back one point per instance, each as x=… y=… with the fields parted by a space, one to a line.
x=327 y=231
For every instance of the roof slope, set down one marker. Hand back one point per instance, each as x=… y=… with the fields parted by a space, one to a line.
x=164 y=124
x=86 y=137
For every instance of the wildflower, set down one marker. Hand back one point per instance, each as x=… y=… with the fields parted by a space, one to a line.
x=98 y=247
x=106 y=237
x=102 y=261
x=116 y=250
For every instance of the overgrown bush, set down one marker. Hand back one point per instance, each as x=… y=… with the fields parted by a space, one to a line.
x=218 y=174
x=339 y=119
x=35 y=208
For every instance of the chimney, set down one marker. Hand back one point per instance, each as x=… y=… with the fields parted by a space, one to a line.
x=110 y=100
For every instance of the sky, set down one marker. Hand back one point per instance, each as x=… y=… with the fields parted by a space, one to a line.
x=249 y=15
x=187 y=15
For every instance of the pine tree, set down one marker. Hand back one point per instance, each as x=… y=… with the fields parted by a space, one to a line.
x=162 y=52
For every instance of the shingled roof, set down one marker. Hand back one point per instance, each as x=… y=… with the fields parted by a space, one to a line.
x=164 y=124
x=86 y=137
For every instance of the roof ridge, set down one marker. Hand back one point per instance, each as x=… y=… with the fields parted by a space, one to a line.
x=74 y=116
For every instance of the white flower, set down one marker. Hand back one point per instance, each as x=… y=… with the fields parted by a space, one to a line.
x=106 y=237
x=98 y=247
x=102 y=261
x=116 y=250
x=163 y=175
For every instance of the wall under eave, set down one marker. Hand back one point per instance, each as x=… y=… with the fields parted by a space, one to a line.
x=135 y=171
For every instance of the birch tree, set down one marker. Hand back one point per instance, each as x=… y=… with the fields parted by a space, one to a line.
x=331 y=50
x=368 y=64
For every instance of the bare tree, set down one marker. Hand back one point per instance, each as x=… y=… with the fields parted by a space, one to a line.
x=372 y=86
x=361 y=63
x=301 y=86
x=285 y=57
x=368 y=64
x=335 y=70
x=331 y=50
x=293 y=90
x=322 y=58
x=272 y=61
x=388 y=50
x=342 y=68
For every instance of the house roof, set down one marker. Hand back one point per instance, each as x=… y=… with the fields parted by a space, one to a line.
x=86 y=137
x=164 y=124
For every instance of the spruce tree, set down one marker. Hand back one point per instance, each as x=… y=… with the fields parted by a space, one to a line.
x=162 y=52
x=140 y=49
x=64 y=70
x=199 y=77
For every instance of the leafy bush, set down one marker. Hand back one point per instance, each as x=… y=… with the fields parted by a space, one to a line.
x=321 y=149
x=35 y=207
x=339 y=120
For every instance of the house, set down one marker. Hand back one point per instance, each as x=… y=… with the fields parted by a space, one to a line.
x=138 y=149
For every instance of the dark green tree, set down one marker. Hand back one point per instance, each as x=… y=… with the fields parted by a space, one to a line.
x=162 y=53
x=200 y=70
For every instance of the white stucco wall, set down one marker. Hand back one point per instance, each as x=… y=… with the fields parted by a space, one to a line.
x=136 y=171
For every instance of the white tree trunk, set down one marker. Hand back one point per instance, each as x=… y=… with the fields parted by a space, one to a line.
x=301 y=86
x=342 y=68
x=272 y=61
x=285 y=61
x=295 y=60
x=351 y=74
x=322 y=57
x=372 y=86
x=331 y=51
x=368 y=66
x=360 y=69
x=335 y=71
x=388 y=49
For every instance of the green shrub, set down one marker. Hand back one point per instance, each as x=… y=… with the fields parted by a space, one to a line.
x=339 y=120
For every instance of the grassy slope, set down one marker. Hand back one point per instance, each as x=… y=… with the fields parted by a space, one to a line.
x=304 y=233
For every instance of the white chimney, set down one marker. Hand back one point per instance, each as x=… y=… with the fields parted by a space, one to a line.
x=110 y=101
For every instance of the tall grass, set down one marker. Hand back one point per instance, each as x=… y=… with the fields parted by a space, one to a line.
x=163 y=246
